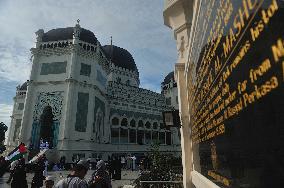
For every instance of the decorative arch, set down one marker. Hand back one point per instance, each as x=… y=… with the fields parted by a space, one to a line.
x=140 y=124
x=115 y=121
x=148 y=125
x=124 y=122
x=55 y=101
x=155 y=125
x=133 y=123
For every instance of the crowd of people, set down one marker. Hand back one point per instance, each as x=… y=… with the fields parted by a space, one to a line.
x=18 y=175
x=102 y=176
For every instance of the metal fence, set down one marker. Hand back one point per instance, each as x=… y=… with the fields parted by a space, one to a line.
x=161 y=184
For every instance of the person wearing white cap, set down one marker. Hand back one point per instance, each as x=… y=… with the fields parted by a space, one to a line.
x=49 y=182
x=76 y=178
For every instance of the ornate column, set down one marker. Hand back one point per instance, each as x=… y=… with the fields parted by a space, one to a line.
x=27 y=117
x=178 y=16
x=69 y=111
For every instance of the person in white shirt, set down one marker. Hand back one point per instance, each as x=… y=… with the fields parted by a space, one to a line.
x=76 y=178
x=133 y=162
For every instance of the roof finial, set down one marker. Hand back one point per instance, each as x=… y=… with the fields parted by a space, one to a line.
x=78 y=21
x=111 y=50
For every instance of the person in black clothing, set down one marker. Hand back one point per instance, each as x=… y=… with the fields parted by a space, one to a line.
x=62 y=162
x=3 y=166
x=111 y=168
x=100 y=178
x=38 y=176
x=19 y=175
x=117 y=168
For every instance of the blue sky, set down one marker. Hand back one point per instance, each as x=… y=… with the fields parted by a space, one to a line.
x=136 y=25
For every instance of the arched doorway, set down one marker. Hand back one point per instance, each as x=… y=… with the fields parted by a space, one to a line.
x=46 y=125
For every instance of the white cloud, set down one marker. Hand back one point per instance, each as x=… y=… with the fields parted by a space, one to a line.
x=134 y=24
x=5 y=113
x=14 y=66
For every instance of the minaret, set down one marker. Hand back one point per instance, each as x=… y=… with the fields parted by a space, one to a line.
x=39 y=35
x=111 y=48
x=77 y=32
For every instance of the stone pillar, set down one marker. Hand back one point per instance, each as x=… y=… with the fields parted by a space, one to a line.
x=68 y=112
x=39 y=35
x=27 y=118
x=178 y=16
x=185 y=129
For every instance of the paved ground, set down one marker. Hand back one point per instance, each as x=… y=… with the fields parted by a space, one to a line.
x=127 y=177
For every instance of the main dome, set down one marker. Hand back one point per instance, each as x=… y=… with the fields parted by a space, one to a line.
x=169 y=77
x=23 y=87
x=67 y=33
x=120 y=57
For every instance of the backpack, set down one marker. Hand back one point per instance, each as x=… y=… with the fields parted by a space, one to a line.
x=99 y=182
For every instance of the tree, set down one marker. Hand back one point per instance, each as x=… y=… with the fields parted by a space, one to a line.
x=161 y=167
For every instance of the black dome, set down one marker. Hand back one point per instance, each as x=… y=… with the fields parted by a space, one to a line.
x=169 y=77
x=23 y=86
x=67 y=33
x=120 y=57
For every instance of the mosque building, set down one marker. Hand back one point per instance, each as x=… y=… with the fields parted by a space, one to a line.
x=85 y=100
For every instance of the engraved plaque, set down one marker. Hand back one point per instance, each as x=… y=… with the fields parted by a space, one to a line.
x=236 y=93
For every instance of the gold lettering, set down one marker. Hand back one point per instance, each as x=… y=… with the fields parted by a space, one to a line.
x=267 y=14
x=264 y=67
x=278 y=50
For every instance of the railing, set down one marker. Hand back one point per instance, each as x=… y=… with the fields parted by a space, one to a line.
x=161 y=184
x=55 y=44
x=21 y=92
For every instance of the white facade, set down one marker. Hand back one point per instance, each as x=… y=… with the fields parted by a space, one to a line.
x=97 y=106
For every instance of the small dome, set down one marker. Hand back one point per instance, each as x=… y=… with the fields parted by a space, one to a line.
x=67 y=33
x=23 y=87
x=120 y=57
x=169 y=77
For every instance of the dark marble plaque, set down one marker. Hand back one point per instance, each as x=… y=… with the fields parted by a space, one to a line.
x=236 y=93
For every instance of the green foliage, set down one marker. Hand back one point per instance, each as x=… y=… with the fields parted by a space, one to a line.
x=163 y=167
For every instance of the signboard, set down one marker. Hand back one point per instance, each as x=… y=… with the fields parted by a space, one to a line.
x=236 y=93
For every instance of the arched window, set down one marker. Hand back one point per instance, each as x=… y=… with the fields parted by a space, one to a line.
x=140 y=137
x=124 y=122
x=140 y=124
x=162 y=137
x=132 y=135
x=115 y=135
x=123 y=135
x=115 y=121
x=155 y=137
x=148 y=125
x=148 y=137
x=168 y=138
x=155 y=125
x=132 y=123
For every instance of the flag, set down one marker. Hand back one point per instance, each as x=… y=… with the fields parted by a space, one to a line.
x=17 y=153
